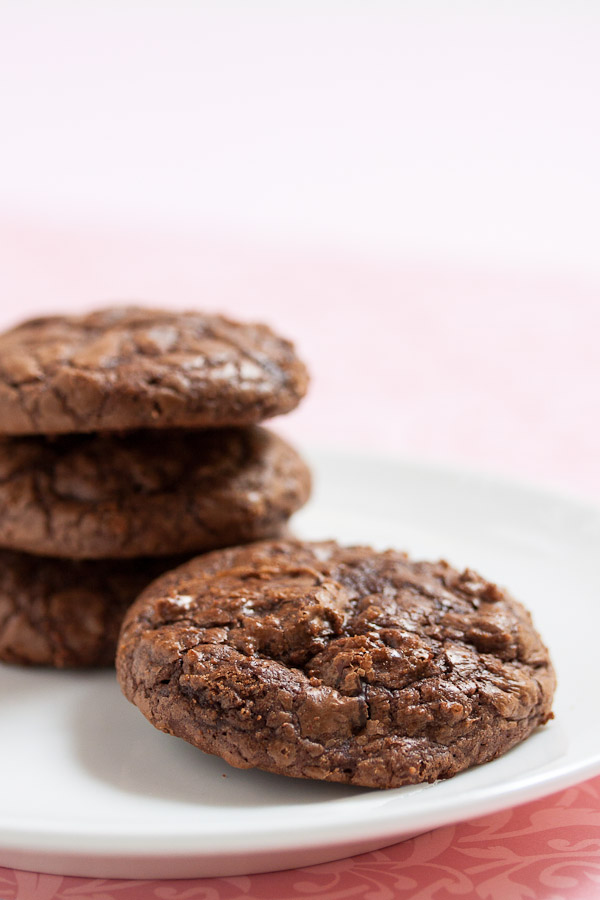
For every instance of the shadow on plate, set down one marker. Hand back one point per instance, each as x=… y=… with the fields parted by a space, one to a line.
x=115 y=743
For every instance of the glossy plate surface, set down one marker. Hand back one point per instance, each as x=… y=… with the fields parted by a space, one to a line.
x=88 y=787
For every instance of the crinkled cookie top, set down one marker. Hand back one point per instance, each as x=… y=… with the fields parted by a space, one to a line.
x=129 y=367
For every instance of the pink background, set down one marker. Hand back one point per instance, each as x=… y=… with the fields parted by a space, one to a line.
x=495 y=370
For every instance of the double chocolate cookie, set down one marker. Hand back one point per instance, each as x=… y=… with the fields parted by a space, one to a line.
x=147 y=492
x=340 y=664
x=67 y=613
x=131 y=367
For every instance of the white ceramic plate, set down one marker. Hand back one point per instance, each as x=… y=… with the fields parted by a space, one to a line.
x=88 y=787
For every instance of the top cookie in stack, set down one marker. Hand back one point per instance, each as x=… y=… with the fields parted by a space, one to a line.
x=131 y=433
x=129 y=367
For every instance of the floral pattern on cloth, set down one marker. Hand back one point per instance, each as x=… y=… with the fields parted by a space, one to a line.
x=545 y=850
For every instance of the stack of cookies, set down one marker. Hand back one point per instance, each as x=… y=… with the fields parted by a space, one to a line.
x=129 y=443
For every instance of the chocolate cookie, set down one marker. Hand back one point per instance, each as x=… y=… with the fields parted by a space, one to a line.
x=146 y=493
x=131 y=367
x=340 y=664
x=67 y=614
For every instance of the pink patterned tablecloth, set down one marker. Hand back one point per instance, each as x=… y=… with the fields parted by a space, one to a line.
x=494 y=370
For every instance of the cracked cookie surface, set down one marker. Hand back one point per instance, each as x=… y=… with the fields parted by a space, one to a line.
x=340 y=664
x=130 y=367
x=64 y=613
x=146 y=493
